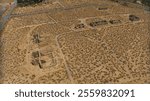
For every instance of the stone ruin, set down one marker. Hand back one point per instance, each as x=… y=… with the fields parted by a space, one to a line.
x=98 y=23
x=133 y=18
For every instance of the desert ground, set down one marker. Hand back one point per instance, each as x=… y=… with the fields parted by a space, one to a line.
x=76 y=42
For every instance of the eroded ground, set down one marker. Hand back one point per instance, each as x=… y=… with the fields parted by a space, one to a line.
x=85 y=41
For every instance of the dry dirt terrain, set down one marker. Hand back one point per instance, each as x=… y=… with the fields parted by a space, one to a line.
x=76 y=41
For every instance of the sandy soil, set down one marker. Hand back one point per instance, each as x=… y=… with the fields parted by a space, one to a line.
x=76 y=42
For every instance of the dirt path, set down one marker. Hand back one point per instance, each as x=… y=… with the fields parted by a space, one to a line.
x=66 y=66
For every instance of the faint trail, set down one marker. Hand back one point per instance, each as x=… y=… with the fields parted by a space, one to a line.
x=66 y=66
x=57 y=2
x=35 y=25
x=55 y=10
